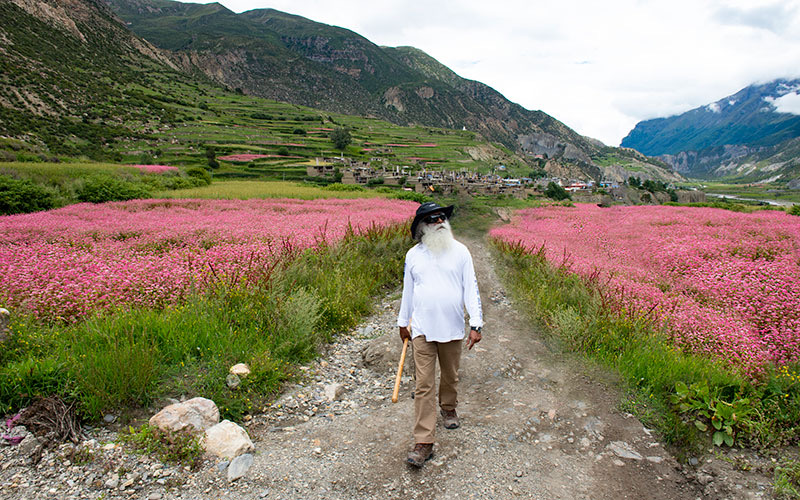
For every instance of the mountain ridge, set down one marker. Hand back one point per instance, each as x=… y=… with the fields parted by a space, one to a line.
x=734 y=137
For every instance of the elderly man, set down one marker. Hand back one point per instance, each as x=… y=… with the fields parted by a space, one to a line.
x=438 y=284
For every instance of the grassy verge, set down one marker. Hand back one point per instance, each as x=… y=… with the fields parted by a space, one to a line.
x=29 y=187
x=129 y=358
x=690 y=400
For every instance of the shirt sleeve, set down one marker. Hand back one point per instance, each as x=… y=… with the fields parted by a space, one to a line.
x=472 y=297
x=408 y=296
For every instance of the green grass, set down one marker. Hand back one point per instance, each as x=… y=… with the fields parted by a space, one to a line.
x=60 y=184
x=128 y=358
x=574 y=314
x=244 y=190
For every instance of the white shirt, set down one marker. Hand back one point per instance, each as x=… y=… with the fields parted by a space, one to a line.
x=436 y=289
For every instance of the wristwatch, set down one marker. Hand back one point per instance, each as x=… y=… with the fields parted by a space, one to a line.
x=476 y=328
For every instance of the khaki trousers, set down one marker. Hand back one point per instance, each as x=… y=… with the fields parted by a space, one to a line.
x=425 y=356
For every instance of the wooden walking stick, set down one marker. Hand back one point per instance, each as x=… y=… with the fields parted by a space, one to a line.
x=399 y=372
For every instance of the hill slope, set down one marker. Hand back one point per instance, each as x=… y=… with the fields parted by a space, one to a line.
x=747 y=135
x=325 y=66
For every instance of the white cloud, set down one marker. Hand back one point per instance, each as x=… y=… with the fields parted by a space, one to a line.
x=600 y=67
x=713 y=107
x=787 y=103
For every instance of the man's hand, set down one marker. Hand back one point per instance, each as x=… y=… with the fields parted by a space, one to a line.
x=404 y=333
x=474 y=338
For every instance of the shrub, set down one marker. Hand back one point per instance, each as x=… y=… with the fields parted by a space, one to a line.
x=23 y=196
x=283 y=151
x=200 y=173
x=299 y=131
x=344 y=187
x=170 y=447
x=411 y=196
x=556 y=192
x=103 y=188
x=794 y=210
x=377 y=181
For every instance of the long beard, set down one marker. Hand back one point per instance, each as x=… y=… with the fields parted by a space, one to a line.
x=438 y=238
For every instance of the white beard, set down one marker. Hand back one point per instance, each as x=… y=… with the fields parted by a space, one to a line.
x=438 y=238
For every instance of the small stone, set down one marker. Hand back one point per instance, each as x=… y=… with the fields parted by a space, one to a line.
x=239 y=466
x=109 y=418
x=28 y=445
x=154 y=496
x=655 y=460
x=624 y=450
x=693 y=461
x=113 y=482
x=233 y=381
x=334 y=391
x=240 y=370
x=222 y=466
x=519 y=473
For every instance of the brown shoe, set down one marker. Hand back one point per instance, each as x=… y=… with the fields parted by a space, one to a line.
x=420 y=453
x=450 y=419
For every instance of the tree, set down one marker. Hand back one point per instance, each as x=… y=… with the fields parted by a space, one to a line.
x=556 y=192
x=341 y=138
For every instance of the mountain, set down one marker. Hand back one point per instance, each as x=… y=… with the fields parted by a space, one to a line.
x=748 y=135
x=281 y=56
x=72 y=78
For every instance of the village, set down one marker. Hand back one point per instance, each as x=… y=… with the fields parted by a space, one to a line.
x=447 y=182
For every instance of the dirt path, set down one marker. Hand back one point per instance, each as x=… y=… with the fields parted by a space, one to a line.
x=534 y=425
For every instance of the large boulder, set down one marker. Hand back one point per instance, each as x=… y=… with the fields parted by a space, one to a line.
x=383 y=354
x=227 y=440
x=196 y=415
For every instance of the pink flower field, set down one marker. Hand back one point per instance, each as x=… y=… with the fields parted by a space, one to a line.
x=67 y=263
x=155 y=169
x=725 y=284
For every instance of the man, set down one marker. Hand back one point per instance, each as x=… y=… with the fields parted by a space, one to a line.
x=439 y=282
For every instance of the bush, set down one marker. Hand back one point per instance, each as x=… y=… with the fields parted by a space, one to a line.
x=299 y=131
x=341 y=138
x=23 y=196
x=283 y=151
x=556 y=192
x=411 y=196
x=794 y=210
x=377 y=181
x=100 y=189
x=343 y=187
x=200 y=173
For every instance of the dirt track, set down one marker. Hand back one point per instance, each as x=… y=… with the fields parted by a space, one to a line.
x=535 y=424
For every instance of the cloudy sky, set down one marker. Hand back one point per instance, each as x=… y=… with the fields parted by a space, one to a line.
x=598 y=66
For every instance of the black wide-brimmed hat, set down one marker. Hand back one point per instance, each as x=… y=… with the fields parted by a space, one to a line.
x=427 y=209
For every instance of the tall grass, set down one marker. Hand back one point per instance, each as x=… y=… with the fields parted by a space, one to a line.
x=572 y=310
x=130 y=357
x=245 y=190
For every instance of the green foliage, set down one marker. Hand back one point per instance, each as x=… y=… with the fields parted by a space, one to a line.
x=634 y=182
x=343 y=187
x=100 y=189
x=179 y=448
x=556 y=192
x=411 y=196
x=794 y=210
x=200 y=173
x=341 y=138
x=377 y=181
x=786 y=485
x=705 y=407
x=23 y=196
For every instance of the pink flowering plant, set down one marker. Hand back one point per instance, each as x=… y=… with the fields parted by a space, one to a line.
x=117 y=303
x=712 y=291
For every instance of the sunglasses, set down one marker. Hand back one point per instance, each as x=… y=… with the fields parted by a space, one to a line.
x=434 y=218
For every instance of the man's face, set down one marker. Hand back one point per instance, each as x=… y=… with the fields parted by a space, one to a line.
x=435 y=219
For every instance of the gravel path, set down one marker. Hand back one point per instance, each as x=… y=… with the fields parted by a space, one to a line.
x=534 y=425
